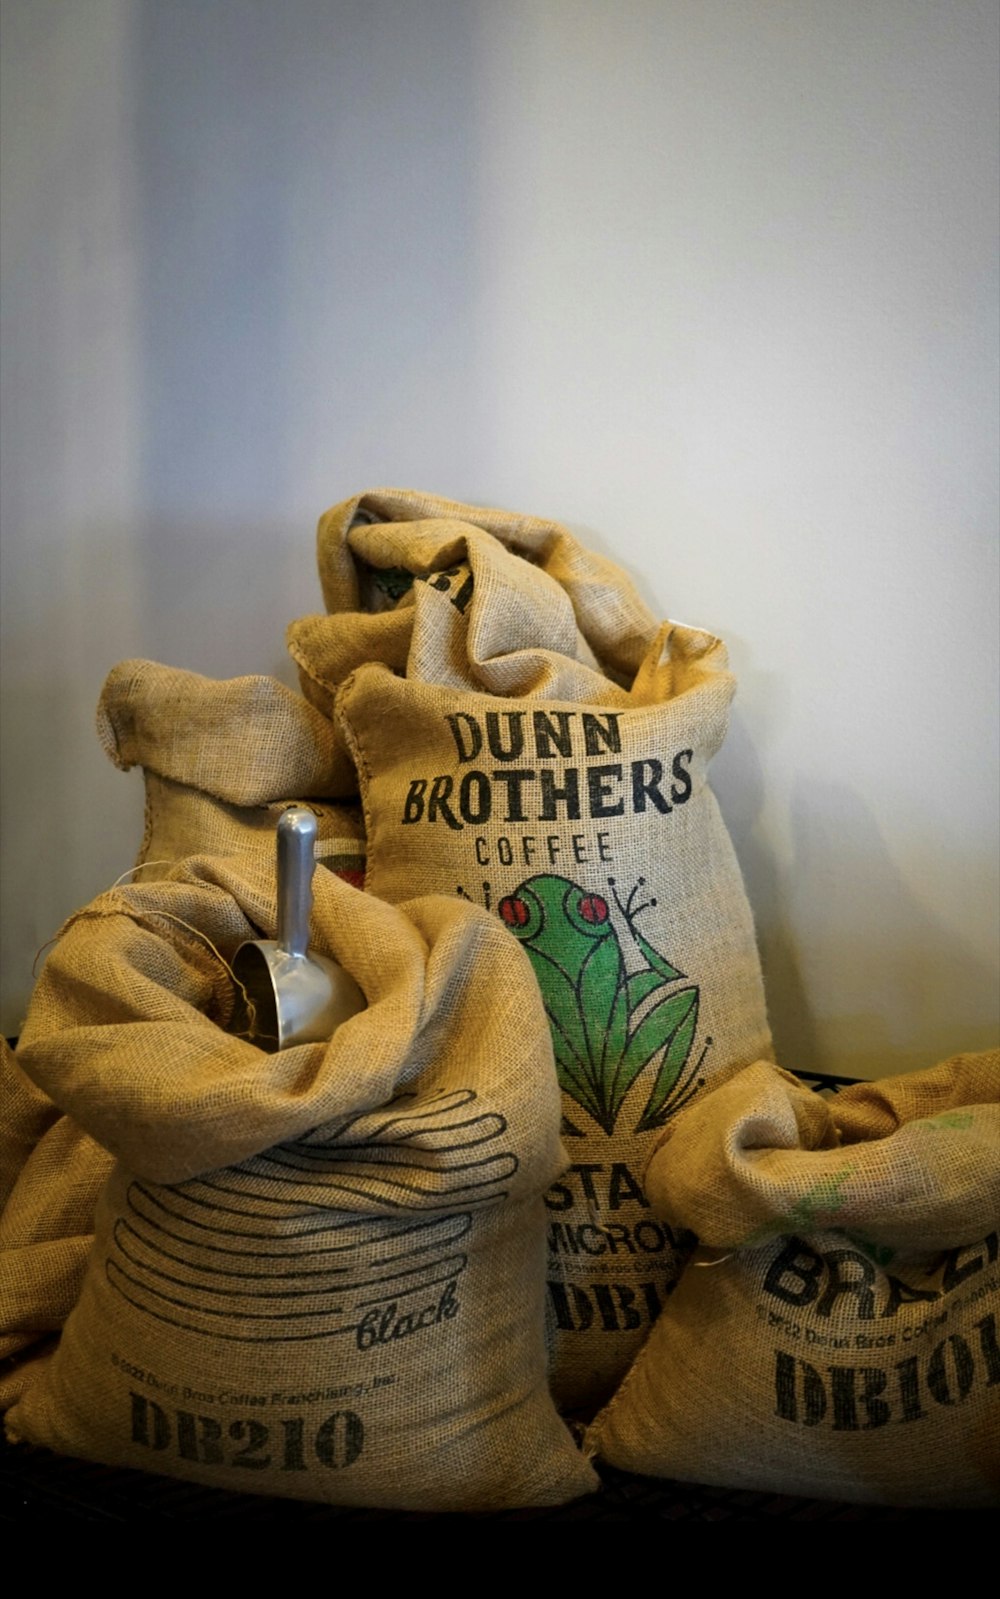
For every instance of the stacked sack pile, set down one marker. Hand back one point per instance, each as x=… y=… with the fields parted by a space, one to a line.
x=551 y=1167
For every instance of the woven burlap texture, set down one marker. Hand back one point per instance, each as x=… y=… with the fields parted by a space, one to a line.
x=375 y=1203
x=491 y=600
x=837 y=1335
x=528 y=737
x=243 y=740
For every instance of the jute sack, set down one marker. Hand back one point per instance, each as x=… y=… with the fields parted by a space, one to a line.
x=844 y=1343
x=46 y=1230
x=50 y=1176
x=25 y=1114
x=472 y=598
x=221 y=760
x=318 y=1273
x=589 y=828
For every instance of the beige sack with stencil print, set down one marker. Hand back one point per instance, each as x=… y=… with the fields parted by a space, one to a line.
x=844 y=1343
x=317 y=1273
x=221 y=760
x=589 y=828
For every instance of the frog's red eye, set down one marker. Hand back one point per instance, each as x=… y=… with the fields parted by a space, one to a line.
x=593 y=908
x=514 y=911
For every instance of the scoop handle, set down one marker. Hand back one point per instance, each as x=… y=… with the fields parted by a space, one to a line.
x=297 y=831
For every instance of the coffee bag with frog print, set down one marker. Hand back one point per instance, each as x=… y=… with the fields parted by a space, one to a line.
x=590 y=830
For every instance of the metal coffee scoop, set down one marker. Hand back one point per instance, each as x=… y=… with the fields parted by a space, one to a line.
x=297 y=997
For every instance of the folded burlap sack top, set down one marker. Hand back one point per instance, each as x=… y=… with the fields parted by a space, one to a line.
x=837 y=1334
x=469 y=597
x=221 y=760
x=317 y=1273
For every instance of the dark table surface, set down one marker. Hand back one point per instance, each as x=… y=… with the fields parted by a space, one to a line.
x=38 y=1487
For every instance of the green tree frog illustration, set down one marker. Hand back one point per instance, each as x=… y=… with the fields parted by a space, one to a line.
x=609 y=1022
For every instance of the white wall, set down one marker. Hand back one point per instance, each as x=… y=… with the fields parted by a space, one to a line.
x=712 y=280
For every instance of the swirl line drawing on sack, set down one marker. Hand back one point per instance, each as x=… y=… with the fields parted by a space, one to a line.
x=610 y=1020
x=191 y=1254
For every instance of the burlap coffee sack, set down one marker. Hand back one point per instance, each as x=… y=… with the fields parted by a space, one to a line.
x=844 y=1343
x=317 y=1273
x=19 y=1371
x=50 y=1176
x=470 y=598
x=182 y=821
x=25 y=1114
x=592 y=832
x=46 y=1229
x=221 y=760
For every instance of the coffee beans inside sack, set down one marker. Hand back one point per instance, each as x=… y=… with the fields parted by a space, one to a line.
x=316 y=1273
x=839 y=1334
x=221 y=760
x=590 y=831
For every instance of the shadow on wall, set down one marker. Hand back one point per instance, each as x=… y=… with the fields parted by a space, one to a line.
x=217 y=599
x=906 y=989
x=874 y=984
x=307 y=253
x=208 y=598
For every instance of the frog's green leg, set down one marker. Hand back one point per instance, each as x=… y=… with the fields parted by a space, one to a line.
x=639 y=986
x=674 y=1016
x=668 y=973
x=573 y=1082
x=597 y=990
x=617 y=1034
x=562 y=1005
x=676 y=1020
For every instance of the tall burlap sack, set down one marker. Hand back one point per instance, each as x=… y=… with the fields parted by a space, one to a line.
x=590 y=829
x=845 y=1342
x=467 y=597
x=318 y=1273
x=221 y=760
